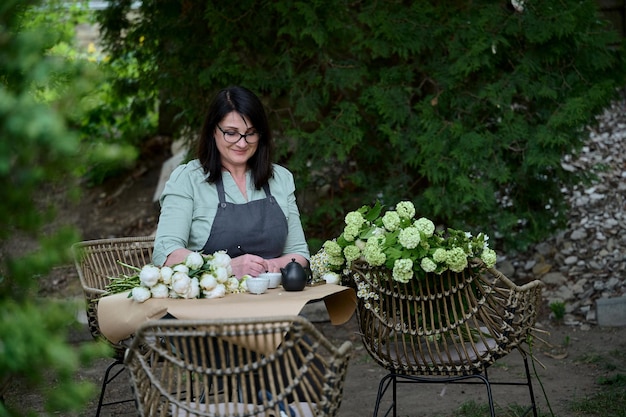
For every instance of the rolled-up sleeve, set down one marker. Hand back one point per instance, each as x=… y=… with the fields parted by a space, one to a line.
x=296 y=240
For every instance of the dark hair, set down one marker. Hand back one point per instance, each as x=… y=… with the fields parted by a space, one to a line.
x=248 y=105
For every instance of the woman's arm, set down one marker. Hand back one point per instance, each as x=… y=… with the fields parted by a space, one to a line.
x=296 y=245
x=174 y=225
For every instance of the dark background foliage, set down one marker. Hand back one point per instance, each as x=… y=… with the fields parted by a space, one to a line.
x=467 y=108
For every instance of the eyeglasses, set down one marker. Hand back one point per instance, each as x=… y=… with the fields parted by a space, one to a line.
x=232 y=136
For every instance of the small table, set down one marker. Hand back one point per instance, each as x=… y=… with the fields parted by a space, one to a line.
x=119 y=316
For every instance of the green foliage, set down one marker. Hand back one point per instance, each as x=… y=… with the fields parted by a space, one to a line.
x=558 y=309
x=610 y=401
x=110 y=124
x=465 y=108
x=115 y=122
x=38 y=91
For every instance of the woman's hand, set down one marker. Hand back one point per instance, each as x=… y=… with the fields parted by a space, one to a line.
x=275 y=264
x=248 y=264
x=177 y=257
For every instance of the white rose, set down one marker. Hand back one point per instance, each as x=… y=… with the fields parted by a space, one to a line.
x=166 y=275
x=194 y=261
x=140 y=294
x=207 y=282
x=181 y=283
x=160 y=290
x=221 y=259
x=149 y=275
x=194 y=288
x=221 y=274
x=331 y=278
x=181 y=268
x=218 y=292
x=232 y=284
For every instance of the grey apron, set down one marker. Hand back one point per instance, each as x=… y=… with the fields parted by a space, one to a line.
x=258 y=227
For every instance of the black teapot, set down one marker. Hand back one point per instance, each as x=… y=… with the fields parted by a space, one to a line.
x=294 y=277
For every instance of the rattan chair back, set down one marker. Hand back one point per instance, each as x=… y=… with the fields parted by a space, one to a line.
x=452 y=325
x=97 y=261
x=237 y=367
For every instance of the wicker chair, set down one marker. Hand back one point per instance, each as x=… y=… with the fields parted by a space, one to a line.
x=446 y=328
x=237 y=367
x=96 y=262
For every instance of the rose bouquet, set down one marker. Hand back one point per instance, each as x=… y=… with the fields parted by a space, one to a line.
x=199 y=276
x=409 y=247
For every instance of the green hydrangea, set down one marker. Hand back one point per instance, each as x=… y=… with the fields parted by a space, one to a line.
x=354 y=218
x=440 y=255
x=489 y=257
x=391 y=220
x=456 y=259
x=394 y=239
x=350 y=232
x=405 y=209
x=332 y=248
x=351 y=253
x=428 y=265
x=403 y=270
x=425 y=226
x=373 y=253
x=335 y=260
x=409 y=237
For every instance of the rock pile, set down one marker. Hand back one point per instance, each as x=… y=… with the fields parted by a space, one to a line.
x=587 y=260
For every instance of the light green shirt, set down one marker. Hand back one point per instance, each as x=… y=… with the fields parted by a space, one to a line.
x=189 y=204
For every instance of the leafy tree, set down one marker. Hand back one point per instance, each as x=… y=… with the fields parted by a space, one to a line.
x=38 y=92
x=467 y=108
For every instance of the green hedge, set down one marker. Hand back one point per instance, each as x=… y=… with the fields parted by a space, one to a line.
x=464 y=107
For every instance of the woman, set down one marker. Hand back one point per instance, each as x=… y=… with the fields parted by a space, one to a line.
x=232 y=197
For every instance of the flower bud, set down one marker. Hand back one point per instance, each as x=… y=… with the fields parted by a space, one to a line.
x=149 y=275
x=194 y=261
x=140 y=294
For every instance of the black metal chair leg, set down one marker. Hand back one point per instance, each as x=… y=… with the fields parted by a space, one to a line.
x=392 y=379
x=533 y=404
x=382 y=388
x=394 y=395
x=108 y=379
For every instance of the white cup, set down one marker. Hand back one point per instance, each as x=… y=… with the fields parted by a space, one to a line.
x=258 y=285
x=275 y=278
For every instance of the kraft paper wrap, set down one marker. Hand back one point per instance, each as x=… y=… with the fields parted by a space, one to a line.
x=119 y=316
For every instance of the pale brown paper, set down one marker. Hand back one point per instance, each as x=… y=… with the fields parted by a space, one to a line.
x=119 y=316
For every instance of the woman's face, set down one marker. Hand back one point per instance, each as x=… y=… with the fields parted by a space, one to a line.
x=235 y=150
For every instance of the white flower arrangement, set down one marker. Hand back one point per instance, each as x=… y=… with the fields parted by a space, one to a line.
x=199 y=276
x=409 y=247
